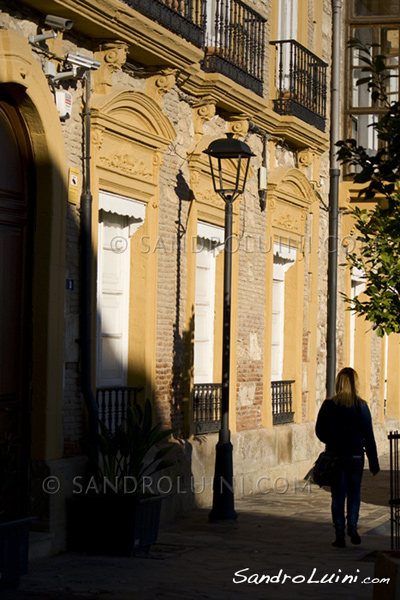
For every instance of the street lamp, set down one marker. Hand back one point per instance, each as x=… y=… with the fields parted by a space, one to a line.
x=222 y=153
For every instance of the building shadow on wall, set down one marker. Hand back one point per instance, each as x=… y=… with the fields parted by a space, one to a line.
x=182 y=369
x=175 y=483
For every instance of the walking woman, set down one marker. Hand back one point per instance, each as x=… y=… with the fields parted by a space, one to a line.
x=344 y=424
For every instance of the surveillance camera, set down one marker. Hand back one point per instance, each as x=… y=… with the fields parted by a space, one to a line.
x=78 y=60
x=58 y=23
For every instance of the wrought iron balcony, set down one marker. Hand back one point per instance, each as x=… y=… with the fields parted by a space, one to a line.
x=301 y=84
x=234 y=43
x=113 y=402
x=282 y=402
x=184 y=17
x=207 y=407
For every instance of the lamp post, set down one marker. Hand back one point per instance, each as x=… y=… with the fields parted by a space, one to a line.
x=222 y=152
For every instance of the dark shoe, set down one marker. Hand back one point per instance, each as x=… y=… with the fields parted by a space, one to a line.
x=354 y=537
x=340 y=542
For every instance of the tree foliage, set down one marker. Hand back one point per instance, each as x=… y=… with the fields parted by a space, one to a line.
x=378 y=230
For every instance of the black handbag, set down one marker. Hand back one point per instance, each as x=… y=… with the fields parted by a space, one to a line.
x=326 y=469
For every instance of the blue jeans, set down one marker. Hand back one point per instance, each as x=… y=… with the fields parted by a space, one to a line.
x=348 y=484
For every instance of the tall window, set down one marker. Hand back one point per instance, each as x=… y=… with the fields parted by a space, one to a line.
x=209 y=244
x=372 y=22
x=287 y=25
x=287 y=30
x=369 y=8
x=357 y=287
x=211 y=8
x=118 y=219
x=284 y=258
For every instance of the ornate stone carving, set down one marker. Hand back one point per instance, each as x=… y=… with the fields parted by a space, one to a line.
x=287 y=221
x=126 y=162
x=194 y=178
x=237 y=124
x=157 y=159
x=306 y=157
x=97 y=137
x=209 y=197
x=202 y=111
x=160 y=83
x=112 y=56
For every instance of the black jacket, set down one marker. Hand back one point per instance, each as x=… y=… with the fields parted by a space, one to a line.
x=347 y=430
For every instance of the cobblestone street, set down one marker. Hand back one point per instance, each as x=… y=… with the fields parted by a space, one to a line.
x=284 y=535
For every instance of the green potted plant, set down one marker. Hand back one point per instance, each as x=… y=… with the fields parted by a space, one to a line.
x=117 y=511
x=14 y=531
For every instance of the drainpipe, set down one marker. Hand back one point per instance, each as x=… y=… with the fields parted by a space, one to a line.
x=86 y=274
x=334 y=175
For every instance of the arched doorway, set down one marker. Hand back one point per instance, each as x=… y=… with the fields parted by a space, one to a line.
x=16 y=229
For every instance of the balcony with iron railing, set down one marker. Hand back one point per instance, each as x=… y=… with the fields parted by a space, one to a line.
x=112 y=403
x=184 y=17
x=230 y=32
x=301 y=83
x=282 y=402
x=234 y=44
x=207 y=407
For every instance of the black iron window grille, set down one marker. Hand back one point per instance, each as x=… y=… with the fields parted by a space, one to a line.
x=207 y=407
x=301 y=83
x=184 y=17
x=394 y=501
x=282 y=410
x=234 y=43
x=113 y=402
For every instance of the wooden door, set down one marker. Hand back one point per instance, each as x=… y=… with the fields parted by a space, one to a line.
x=15 y=298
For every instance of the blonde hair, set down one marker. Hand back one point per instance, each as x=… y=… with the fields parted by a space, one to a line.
x=347 y=387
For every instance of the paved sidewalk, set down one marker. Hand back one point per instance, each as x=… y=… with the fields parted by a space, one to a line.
x=276 y=534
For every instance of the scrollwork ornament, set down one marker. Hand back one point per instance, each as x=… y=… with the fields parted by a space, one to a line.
x=202 y=112
x=238 y=125
x=306 y=157
x=97 y=137
x=112 y=56
x=159 y=84
x=194 y=178
x=157 y=159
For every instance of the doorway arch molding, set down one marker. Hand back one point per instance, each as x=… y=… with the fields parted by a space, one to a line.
x=22 y=79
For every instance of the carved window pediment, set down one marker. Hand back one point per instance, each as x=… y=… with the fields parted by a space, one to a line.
x=130 y=133
x=135 y=116
x=290 y=196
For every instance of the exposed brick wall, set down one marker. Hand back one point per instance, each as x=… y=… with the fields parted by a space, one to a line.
x=251 y=300
x=171 y=289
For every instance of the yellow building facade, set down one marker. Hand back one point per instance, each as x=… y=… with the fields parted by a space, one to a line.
x=374 y=359
x=164 y=86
